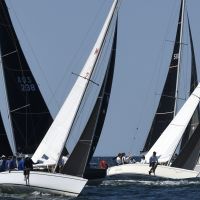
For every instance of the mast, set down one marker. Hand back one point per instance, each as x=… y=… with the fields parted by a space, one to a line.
x=84 y=149
x=168 y=101
x=29 y=115
x=179 y=54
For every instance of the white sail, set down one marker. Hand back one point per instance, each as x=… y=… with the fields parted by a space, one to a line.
x=166 y=144
x=53 y=143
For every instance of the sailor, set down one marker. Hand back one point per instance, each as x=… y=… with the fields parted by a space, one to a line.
x=3 y=163
x=20 y=163
x=119 y=159
x=12 y=164
x=143 y=161
x=28 y=166
x=103 y=164
x=129 y=159
x=153 y=162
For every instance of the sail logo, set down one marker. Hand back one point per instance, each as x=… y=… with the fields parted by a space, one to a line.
x=96 y=51
x=176 y=56
x=26 y=84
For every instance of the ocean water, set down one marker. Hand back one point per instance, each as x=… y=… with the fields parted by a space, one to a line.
x=124 y=188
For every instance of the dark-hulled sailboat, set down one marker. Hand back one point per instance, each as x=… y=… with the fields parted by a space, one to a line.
x=28 y=114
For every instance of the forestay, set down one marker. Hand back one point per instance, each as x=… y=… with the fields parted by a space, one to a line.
x=166 y=145
x=50 y=148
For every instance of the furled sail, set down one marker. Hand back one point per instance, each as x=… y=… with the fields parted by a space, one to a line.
x=50 y=149
x=167 y=104
x=28 y=113
x=167 y=143
x=84 y=149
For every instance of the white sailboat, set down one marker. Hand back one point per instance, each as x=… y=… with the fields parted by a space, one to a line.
x=165 y=150
x=166 y=131
x=50 y=149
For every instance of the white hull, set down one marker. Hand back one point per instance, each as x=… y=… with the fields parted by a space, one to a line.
x=42 y=181
x=143 y=169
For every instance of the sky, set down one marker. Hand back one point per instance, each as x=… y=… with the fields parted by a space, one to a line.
x=58 y=35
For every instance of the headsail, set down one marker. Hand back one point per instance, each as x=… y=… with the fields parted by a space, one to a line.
x=28 y=112
x=84 y=149
x=167 y=104
x=167 y=143
x=49 y=151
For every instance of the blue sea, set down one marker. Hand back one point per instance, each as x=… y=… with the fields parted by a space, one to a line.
x=124 y=188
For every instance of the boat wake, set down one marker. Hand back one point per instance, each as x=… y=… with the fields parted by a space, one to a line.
x=151 y=182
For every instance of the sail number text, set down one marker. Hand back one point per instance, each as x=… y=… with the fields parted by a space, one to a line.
x=26 y=84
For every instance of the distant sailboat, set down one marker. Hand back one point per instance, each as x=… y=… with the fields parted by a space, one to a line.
x=28 y=116
x=50 y=149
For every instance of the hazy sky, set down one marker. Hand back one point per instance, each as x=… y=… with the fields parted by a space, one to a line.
x=57 y=36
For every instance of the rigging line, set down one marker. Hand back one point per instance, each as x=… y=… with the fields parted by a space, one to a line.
x=182 y=43
x=36 y=59
x=85 y=78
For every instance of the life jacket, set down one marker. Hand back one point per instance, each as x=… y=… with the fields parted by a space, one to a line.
x=103 y=164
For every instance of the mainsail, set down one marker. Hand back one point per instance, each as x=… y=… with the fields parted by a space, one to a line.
x=50 y=149
x=28 y=113
x=167 y=105
x=84 y=149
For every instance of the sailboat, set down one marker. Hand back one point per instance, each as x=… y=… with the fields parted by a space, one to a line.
x=164 y=151
x=27 y=118
x=51 y=147
x=165 y=113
